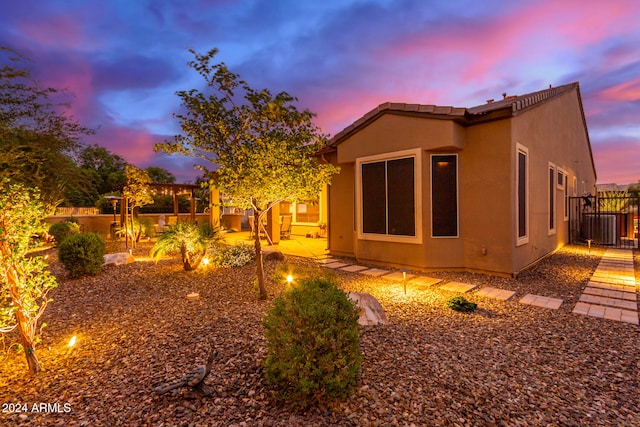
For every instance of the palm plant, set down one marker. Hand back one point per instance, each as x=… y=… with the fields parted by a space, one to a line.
x=189 y=239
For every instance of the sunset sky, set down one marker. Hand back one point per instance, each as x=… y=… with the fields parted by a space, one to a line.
x=124 y=60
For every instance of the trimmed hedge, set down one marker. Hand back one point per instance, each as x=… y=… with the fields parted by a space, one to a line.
x=313 y=344
x=82 y=254
x=62 y=230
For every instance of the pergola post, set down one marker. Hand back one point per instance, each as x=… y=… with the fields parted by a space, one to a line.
x=214 y=206
x=273 y=224
x=192 y=205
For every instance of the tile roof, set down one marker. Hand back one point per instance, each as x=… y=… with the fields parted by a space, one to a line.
x=509 y=106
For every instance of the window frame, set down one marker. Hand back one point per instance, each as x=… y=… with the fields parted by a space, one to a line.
x=416 y=153
x=431 y=156
x=294 y=213
x=564 y=187
x=552 y=201
x=521 y=240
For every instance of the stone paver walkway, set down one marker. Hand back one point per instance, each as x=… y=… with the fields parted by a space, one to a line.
x=495 y=293
x=541 y=301
x=611 y=292
x=458 y=287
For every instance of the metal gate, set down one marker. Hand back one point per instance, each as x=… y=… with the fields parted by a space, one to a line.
x=608 y=221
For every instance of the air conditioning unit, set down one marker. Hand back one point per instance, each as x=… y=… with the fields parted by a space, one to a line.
x=600 y=228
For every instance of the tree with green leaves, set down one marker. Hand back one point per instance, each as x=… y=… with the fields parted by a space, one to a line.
x=36 y=137
x=137 y=193
x=160 y=175
x=24 y=279
x=105 y=169
x=261 y=146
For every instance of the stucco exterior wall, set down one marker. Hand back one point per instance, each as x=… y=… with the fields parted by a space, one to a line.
x=341 y=233
x=486 y=188
x=393 y=133
x=553 y=133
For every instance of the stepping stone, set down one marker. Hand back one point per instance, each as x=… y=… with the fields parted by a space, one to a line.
x=581 y=308
x=612 y=302
x=327 y=261
x=610 y=313
x=458 y=287
x=397 y=276
x=541 y=301
x=354 y=268
x=609 y=293
x=375 y=272
x=425 y=281
x=336 y=265
x=611 y=286
x=613 y=279
x=324 y=256
x=629 y=317
x=501 y=294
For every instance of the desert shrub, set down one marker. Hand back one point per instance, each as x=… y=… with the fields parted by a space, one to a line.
x=190 y=240
x=147 y=226
x=459 y=303
x=140 y=227
x=62 y=230
x=82 y=254
x=313 y=344
x=233 y=256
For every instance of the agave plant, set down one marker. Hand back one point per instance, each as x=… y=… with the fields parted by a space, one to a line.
x=189 y=239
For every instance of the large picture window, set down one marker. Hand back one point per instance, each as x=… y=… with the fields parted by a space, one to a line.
x=444 y=195
x=388 y=189
x=522 y=203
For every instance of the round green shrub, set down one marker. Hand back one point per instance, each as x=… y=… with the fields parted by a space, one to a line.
x=62 y=230
x=460 y=303
x=313 y=344
x=82 y=254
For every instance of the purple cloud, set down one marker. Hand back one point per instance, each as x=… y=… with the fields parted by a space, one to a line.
x=123 y=61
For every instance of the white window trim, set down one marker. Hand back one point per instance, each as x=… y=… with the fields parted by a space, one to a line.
x=575 y=186
x=560 y=171
x=457 y=236
x=564 y=187
x=416 y=153
x=551 y=192
x=524 y=239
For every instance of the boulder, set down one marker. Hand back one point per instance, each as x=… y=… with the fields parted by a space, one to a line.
x=371 y=312
x=273 y=255
x=120 y=258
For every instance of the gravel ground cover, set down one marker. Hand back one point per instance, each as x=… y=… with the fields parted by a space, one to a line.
x=506 y=364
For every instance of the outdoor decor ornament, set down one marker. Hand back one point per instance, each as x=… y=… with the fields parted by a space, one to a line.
x=194 y=379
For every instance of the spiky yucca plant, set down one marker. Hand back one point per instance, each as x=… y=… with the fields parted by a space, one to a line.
x=189 y=239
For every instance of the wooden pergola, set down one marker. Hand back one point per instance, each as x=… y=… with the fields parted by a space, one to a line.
x=176 y=190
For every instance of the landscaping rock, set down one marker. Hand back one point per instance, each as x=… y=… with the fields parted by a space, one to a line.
x=371 y=312
x=507 y=365
x=273 y=255
x=120 y=258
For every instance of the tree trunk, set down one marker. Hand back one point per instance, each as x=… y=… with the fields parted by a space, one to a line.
x=26 y=327
x=26 y=339
x=259 y=266
x=190 y=265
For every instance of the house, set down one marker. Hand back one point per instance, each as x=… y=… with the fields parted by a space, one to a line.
x=481 y=189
